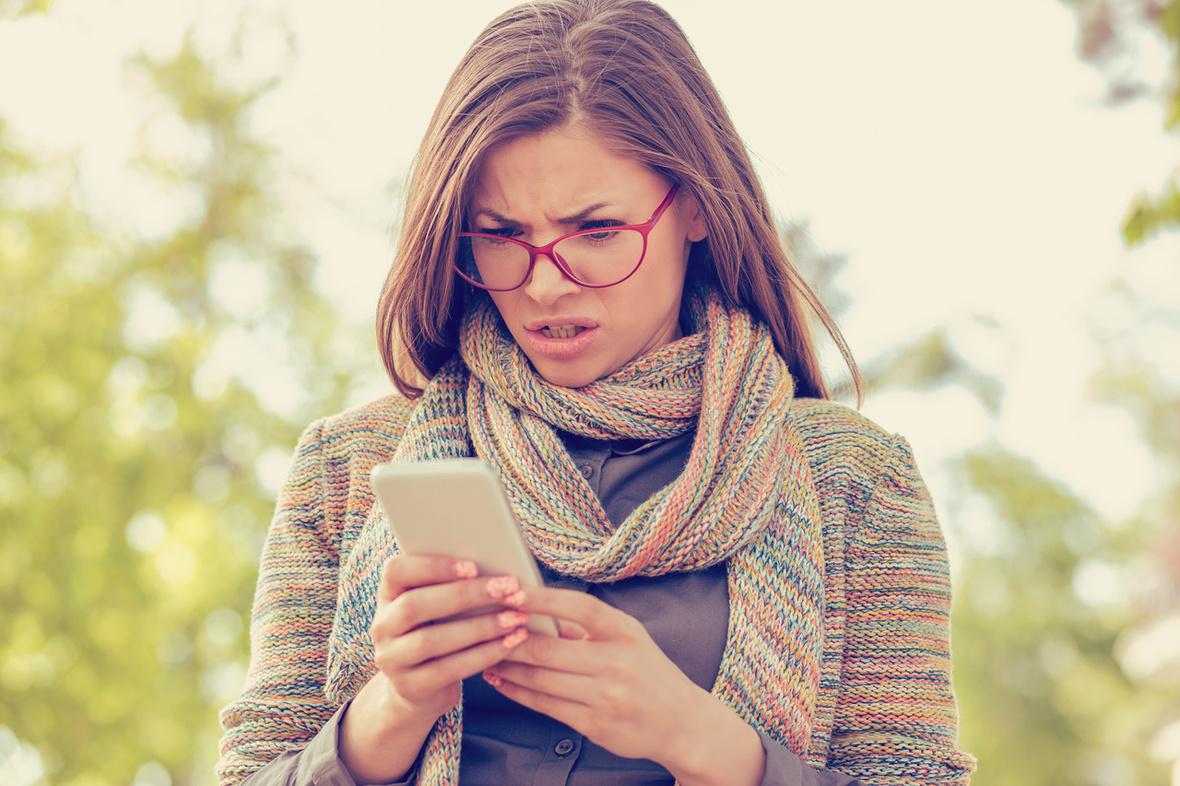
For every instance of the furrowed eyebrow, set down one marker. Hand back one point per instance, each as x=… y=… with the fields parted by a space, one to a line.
x=574 y=219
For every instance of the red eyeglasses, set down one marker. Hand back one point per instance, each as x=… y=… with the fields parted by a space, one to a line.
x=597 y=257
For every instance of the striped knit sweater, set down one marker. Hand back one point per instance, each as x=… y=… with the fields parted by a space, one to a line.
x=885 y=710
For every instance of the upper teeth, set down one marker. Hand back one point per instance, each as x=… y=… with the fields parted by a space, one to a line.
x=565 y=331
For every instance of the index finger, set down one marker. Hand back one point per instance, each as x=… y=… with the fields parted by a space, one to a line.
x=405 y=571
x=597 y=617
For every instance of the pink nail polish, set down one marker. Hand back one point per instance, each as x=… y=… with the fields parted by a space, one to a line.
x=516 y=637
x=495 y=680
x=515 y=599
x=510 y=619
x=466 y=569
x=499 y=586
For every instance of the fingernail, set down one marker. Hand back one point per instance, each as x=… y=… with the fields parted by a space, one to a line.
x=515 y=637
x=493 y=679
x=515 y=599
x=466 y=569
x=510 y=619
x=499 y=586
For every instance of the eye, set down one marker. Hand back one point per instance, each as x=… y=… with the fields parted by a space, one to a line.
x=497 y=231
x=602 y=222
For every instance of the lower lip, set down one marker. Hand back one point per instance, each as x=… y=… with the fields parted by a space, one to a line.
x=560 y=347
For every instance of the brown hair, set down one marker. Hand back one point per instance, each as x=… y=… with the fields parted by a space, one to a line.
x=624 y=69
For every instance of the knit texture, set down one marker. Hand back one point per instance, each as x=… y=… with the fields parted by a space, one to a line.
x=724 y=377
x=838 y=641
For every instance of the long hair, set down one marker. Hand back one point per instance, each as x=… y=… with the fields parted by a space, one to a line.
x=625 y=70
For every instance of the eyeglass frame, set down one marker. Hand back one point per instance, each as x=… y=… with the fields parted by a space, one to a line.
x=643 y=228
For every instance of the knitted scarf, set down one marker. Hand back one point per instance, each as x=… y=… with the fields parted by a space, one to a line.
x=745 y=495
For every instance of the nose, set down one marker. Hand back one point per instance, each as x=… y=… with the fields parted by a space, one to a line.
x=547 y=282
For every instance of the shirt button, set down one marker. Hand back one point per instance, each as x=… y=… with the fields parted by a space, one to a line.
x=586 y=470
x=563 y=747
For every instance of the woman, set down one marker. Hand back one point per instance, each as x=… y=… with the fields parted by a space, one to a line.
x=750 y=580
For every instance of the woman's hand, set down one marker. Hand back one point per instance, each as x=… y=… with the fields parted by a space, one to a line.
x=606 y=678
x=424 y=660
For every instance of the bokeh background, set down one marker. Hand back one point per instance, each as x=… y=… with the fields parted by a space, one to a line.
x=198 y=203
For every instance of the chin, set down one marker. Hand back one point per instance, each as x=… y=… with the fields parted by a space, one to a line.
x=571 y=375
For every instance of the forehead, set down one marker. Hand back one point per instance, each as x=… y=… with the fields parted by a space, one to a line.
x=554 y=170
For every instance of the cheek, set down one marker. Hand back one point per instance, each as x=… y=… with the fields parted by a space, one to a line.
x=661 y=277
x=505 y=303
x=645 y=300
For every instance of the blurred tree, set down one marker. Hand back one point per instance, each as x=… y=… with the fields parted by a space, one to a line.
x=1040 y=605
x=132 y=493
x=10 y=9
x=1137 y=325
x=1114 y=34
x=1136 y=321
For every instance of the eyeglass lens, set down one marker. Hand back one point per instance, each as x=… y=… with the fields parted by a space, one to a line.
x=598 y=258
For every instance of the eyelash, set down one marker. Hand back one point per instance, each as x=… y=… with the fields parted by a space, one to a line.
x=601 y=223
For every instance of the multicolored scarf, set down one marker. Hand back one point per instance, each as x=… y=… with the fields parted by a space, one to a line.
x=745 y=495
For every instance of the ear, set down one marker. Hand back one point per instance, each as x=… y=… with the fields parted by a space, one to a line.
x=697 y=229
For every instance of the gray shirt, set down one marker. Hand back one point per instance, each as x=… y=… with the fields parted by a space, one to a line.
x=686 y=614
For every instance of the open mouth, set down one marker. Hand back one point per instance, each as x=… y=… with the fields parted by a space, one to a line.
x=565 y=331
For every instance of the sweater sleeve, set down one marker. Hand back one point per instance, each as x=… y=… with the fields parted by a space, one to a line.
x=318 y=763
x=896 y=719
x=282 y=729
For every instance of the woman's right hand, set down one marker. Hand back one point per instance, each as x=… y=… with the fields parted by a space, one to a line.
x=425 y=660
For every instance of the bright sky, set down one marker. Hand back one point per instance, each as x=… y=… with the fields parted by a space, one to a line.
x=954 y=151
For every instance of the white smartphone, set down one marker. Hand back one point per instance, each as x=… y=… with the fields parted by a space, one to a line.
x=457 y=508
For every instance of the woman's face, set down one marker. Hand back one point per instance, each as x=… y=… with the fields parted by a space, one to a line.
x=530 y=183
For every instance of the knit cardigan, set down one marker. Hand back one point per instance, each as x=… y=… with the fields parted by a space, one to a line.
x=885 y=711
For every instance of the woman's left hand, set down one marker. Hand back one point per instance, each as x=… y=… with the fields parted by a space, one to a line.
x=605 y=677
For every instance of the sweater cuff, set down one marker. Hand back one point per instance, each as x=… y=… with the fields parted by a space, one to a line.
x=784 y=768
